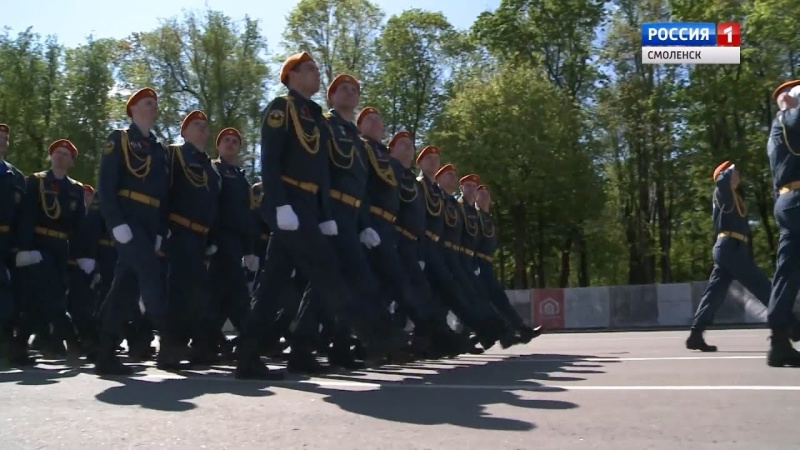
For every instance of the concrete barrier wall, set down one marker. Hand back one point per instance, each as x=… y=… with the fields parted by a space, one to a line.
x=645 y=306
x=626 y=307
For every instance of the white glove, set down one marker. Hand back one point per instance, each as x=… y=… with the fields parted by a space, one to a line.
x=294 y=272
x=211 y=249
x=158 y=242
x=122 y=233
x=370 y=238
x=86 y=264
x=329 y=228
x=28 y=258
x=422 y=265
x=287 y=219
x=251 y=262
x=477 y=271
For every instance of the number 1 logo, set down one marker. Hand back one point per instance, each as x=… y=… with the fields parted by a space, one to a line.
x=728 y=34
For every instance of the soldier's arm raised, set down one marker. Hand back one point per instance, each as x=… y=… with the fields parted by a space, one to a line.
x=108 y=180
x=724 y=192
x=274 y=133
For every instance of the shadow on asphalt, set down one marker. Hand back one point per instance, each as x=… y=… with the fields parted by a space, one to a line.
x=452 y=391
x=464 y=391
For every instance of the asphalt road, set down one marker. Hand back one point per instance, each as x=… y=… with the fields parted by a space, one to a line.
x=637 y=390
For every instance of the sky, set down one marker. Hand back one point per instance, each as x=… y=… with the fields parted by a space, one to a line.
x=73 y=20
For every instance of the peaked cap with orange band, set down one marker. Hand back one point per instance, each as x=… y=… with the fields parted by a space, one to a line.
x=228 y=132
x=292 y=62
x=785 y=87
x=364 y=113
x=471 y=177
x=3 y=128
x=397 y=136
x=340 y=79
x=66 y=143
x=141 y=94
x=444 y=169
x=428 y=150
x=192 y=116
x=721 y=168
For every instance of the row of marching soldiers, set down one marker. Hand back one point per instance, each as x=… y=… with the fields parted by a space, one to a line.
x=337 y=251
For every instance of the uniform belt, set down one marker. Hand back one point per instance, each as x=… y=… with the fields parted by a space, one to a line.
x=5 y=228
x=432 y=236
x=467 y=251
x=347 y=199
x=264 y=237
x=106 y=242
x=450 y=245
x=304 y=185
x=734 y=235
x=51 y=233
x=139 y=197
x=483 y=256
x=406 y=233
x=793 y=186
x=380 y=212
x=186 y=223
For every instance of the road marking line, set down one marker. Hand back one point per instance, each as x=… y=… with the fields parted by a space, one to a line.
x=508 y=387
x=556 y=337
x=524 y=359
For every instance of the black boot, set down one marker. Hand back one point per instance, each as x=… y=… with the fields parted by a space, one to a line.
x=107 y=362
x=527 y=334
x=340 y=354
x=695 y=341
x=304 y=361
x=249 y=365
x=781 y=353
x=171 y=354
x=17 y=351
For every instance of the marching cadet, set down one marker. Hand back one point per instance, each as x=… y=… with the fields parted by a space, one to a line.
x=486 y=245
x=384 y=204
x=783 y=149
x=133 y=184
x=442 y=280
x=80 y=269
x=451 y=241
x=52 y=213
x=469 y=232
x=350 y=171
x=234 y=235
x=194 y=194
x=732 y=257
x=297 y=207
x=410 y=226
x=12 y=190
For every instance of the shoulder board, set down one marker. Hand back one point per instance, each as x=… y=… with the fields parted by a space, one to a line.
x=75 y=182
x=257 y=184
x=40 y=174
x=327 y=115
